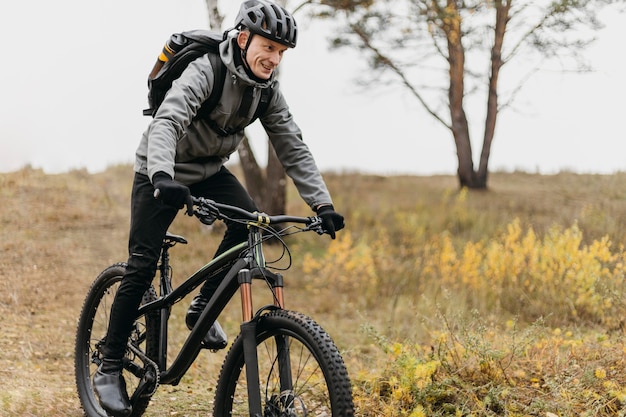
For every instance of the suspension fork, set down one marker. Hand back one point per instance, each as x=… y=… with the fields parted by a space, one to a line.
x=248 y=332
x=248 y=327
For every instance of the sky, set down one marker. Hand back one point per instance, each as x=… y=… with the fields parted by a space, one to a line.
x=74 y=87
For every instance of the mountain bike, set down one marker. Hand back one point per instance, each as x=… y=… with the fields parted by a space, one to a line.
x=282 y=363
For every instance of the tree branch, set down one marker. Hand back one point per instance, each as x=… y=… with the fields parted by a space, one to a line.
x=387 y=62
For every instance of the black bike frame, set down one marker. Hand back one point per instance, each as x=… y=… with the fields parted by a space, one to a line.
x=193 y=344
x=246 y=262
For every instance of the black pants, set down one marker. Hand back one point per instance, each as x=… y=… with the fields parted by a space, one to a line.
x=150 y=219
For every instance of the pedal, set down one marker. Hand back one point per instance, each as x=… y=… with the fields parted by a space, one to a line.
x=149 y=381
x=148 y=384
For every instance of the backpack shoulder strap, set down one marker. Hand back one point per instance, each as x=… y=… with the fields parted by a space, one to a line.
x=219 y=72
x=266 y=96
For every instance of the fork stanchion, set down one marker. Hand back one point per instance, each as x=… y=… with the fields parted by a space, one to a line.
x=279 y=299
x=245 y=288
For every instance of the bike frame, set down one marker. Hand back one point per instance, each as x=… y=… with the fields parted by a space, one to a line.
x=247 y=263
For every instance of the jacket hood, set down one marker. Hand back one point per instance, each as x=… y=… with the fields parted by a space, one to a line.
x=228 y=49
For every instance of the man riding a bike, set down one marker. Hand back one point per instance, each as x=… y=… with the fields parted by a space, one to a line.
x=182 y=155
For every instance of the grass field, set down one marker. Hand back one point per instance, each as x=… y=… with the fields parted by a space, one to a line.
x=444 y=302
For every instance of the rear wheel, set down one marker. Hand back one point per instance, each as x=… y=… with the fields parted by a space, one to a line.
x=92 y=327
x=301 y=371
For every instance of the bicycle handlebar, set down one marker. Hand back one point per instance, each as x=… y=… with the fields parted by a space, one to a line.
x=208 y=210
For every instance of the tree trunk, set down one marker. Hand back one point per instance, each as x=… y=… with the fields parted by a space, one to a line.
x=215 y=17
x=502 y=18
x=252 y=173
x=267 y=189
x=451 y=24
x=275 y=184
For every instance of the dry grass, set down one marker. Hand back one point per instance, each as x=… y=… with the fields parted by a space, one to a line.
x=59 y=231
x=53 y=242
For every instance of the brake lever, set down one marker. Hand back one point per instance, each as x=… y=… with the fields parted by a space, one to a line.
x=315 y=225
x=206 y=212
x=205 y=217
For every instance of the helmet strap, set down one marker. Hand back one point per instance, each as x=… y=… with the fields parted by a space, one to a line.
x=245 y=50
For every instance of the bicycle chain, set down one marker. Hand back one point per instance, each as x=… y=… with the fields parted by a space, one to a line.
x=149 y=363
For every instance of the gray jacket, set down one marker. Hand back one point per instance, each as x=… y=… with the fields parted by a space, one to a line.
x=190 y=151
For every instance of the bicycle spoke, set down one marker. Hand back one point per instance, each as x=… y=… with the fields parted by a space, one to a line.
x=306 y=391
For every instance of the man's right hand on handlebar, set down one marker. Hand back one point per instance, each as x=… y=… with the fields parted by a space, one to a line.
x=171 y=192
x=331 y=220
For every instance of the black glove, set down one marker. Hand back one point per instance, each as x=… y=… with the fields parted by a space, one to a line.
x=331 y=220
x=171 y=192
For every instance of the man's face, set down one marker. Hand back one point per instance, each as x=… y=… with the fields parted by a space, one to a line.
x=263 y=54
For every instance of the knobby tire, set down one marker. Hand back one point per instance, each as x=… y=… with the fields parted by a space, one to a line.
x=321 y=386
x=92 y=325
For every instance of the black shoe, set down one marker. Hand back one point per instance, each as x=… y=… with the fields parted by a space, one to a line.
x=216 y=338
x=110 y=387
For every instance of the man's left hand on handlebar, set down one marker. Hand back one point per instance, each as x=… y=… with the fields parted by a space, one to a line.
x=331 y=220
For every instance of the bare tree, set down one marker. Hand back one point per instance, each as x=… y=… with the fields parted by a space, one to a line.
x=427 y=45
x=215 y=17
x=267 y=187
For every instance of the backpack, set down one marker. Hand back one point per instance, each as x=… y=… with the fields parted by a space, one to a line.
x=179 y=51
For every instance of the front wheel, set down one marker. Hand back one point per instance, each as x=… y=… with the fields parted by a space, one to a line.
x=301 y=371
